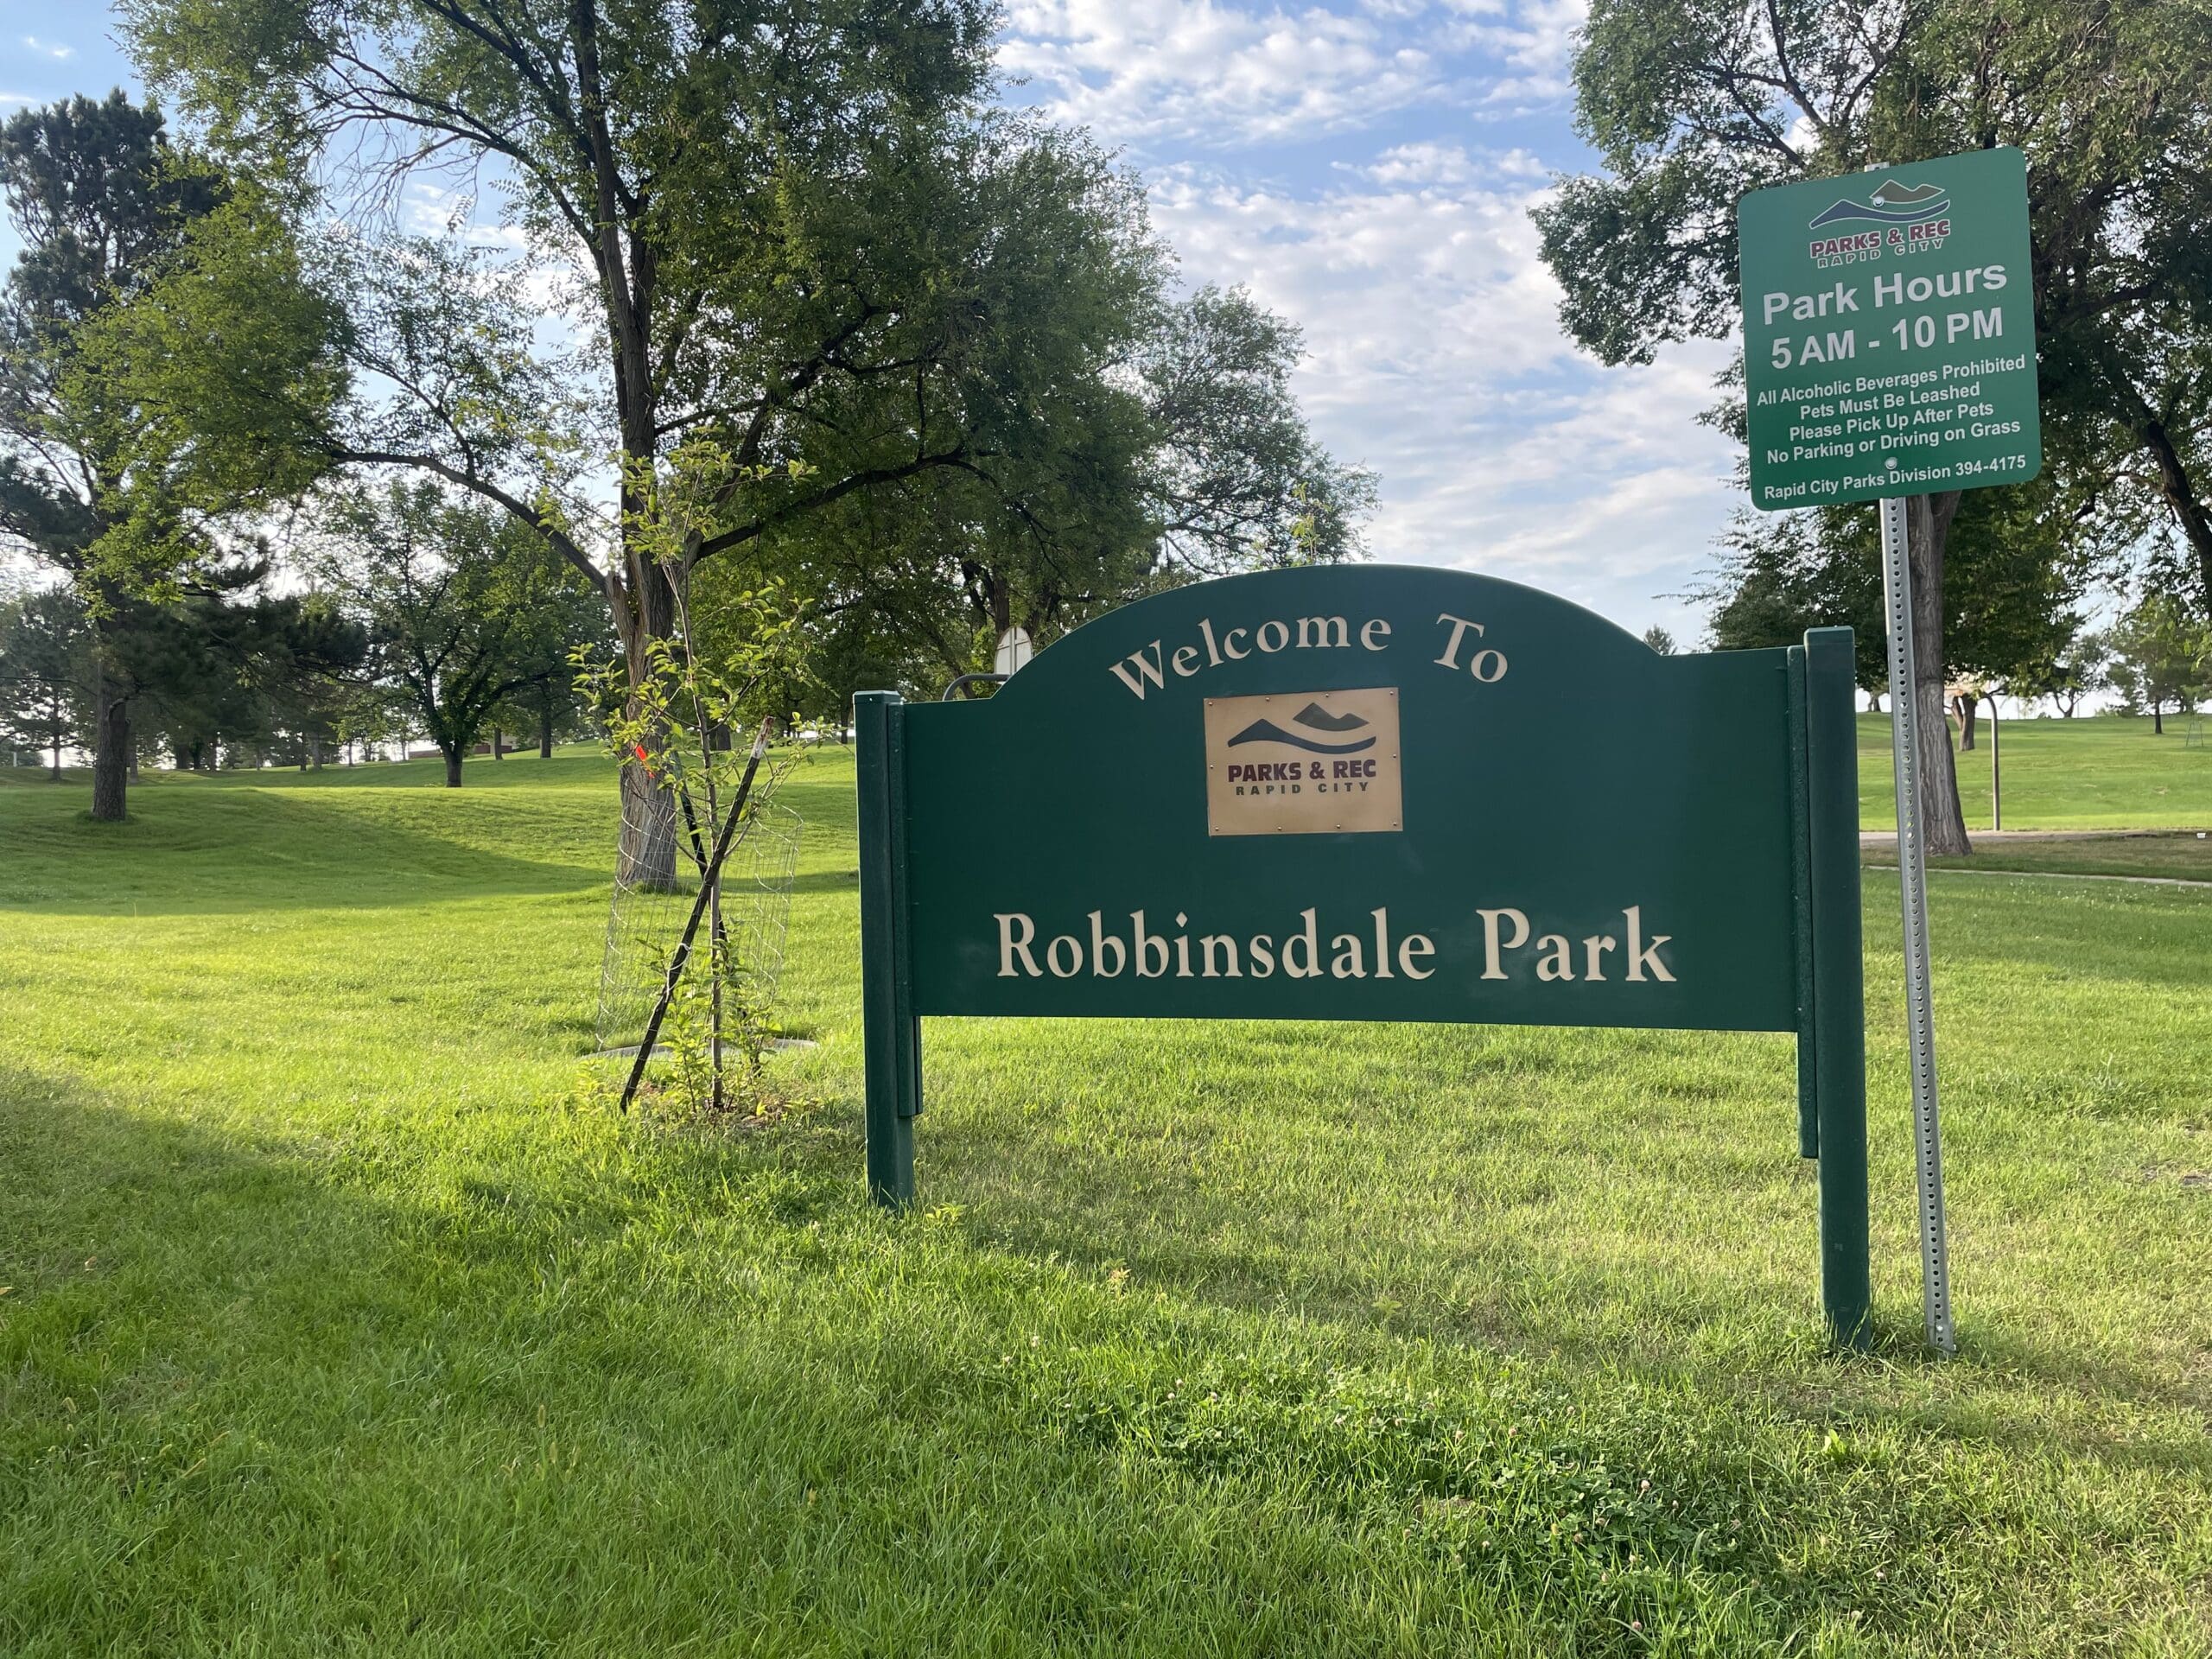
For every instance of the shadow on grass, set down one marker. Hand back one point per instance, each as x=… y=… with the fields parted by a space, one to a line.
x=243 y=850
x=826 y=881
x=240 y=1387
x=259 y=1375
x=1610 y=1248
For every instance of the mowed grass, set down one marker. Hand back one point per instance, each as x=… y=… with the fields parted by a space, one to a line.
x=2104 y=772
x=342 y=1315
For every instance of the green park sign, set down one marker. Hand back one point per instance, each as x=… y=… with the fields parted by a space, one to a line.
x=1363 y=793
x=1889 y=332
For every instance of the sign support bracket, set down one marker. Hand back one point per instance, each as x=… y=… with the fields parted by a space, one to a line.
x=1835 y=1033
x=892 y=1034
x=1912 y=879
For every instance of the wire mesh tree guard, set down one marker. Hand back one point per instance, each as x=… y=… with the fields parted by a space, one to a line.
x=749 y=911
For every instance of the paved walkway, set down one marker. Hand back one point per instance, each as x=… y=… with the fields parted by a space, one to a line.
x=1886 y=841
x=2007 y=837
x=2059 y=876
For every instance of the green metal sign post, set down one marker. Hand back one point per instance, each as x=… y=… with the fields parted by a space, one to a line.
x=1890 y=351
x=1363 y=793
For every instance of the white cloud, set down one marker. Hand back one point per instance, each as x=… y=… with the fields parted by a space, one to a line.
x=1427 y=163
x=1432 y=162
x=1219 y=74
x=48 y=48
x=1532 y=42
x=1211 y=73
x=1434 y=351
x=1435 y=356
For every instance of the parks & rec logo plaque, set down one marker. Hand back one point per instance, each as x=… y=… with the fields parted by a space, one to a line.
x=1303 y=763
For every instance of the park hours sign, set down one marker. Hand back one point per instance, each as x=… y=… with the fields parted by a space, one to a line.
x=1889 y=332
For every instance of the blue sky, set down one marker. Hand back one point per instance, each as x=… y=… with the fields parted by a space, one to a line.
x=1366 y=168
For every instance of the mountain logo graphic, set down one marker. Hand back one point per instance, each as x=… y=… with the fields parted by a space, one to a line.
x=1330 y=769
x=1314 y=718
x=1890 y=203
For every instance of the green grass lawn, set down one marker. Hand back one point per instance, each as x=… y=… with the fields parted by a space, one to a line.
x=343 y=1316
x=2101 y=772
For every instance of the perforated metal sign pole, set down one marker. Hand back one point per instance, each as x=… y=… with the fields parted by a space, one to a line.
x=1935 y=1251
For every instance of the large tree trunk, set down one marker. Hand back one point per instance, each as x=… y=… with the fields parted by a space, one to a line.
x=545 y=730
x=453 y=765
x=111 y=759
x=2158 y=717
x=644 y=610
x=647 y=855
x=2180 y=491
x=636 y=587
x=1942 y=823
x=1968 y=707
x=498 y=744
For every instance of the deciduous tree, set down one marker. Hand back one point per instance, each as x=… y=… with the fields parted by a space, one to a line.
x=2018 y=567
x=801 y=233
x=1209 y=469
x=457 y=601
x=2162 y=656
x=1692 y=103
x=2082 y=671
x=46 y=672
x=97 y=196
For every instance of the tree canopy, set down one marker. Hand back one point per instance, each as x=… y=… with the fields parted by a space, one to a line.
x=2014 y=583
x=795 y=231
x=99 y=198
x=462 y=607
x=1691 y=103
x=2162 y=657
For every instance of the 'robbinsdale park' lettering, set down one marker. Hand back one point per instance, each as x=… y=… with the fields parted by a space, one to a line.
x=1512 y=949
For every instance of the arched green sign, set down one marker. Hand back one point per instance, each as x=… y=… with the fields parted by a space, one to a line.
x=1378 y=793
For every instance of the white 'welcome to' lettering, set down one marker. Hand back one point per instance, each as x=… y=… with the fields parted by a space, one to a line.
x=1150 y=665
